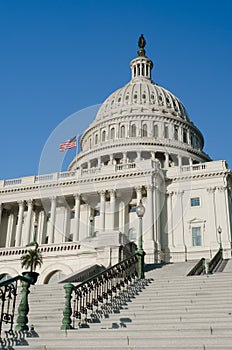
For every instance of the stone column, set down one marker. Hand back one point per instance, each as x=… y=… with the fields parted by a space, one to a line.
x=169 y=224
x=112 y=209
x=156 y=212
x=51 y=226
x=28 y=221
x=212 y=240
x=138 y=194
x=102 y=210
x=138 y=155
x=166 y=162
x=122 y=217
x=149 y=213
x=41 y=222
x=77 y=217
x=19 y=224
x=9 y=229
x=179 y=160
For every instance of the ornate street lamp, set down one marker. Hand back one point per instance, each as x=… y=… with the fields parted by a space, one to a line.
x=140 y=210
x=91 y=226
x=220 y=236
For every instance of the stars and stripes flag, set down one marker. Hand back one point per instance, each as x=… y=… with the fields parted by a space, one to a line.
x=71 y=143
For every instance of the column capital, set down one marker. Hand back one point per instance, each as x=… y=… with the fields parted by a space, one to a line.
x=150 y=187
x=52 y=198
x=30 y=202
x=112 y=192
x=102 y=193
x=138 y=188
x=20 y=203
x=221 y=188
x=211 y=189
x=77 y=195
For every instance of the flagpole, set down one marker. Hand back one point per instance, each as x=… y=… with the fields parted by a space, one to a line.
x=76 y=149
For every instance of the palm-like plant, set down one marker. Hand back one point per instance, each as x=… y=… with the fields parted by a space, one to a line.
x=32 y=259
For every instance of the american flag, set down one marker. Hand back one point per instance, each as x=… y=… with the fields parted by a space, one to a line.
x=71 y=143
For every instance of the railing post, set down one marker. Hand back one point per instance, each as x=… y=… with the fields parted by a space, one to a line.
x=23 y=308
x=66 y=322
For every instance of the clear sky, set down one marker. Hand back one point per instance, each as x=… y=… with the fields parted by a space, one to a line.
x=58 y=57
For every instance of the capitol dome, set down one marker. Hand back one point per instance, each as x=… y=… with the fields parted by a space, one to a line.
x=144 y=92
x=143 y=114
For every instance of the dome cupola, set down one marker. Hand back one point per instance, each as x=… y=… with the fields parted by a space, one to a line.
x=141 y=66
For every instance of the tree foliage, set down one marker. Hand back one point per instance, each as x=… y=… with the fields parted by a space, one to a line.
x=32 y=259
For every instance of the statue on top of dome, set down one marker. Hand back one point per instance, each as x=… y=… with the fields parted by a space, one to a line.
x=141 y=44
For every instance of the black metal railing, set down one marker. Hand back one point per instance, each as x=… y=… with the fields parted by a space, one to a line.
x=8 y=295
x=102 y=294
x=198 y=269
x=215 y=261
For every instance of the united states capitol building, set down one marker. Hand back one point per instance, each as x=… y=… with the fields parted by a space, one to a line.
x=142 y=145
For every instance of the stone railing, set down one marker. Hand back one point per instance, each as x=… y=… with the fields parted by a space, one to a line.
x=28 y=180
x=125 y=166
x=68 y=247
x=214 y=166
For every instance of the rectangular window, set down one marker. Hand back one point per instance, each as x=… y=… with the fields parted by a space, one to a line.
x=155 y=130
x=195 y=202
x=196 y=236
x=132 y=208
x=166 y=134
x=185 y=136
x=176 y=132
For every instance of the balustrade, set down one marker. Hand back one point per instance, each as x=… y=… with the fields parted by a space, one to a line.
x=101 y=294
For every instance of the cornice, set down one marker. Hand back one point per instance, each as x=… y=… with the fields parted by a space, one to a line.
x=198 y=176
x=86 y=180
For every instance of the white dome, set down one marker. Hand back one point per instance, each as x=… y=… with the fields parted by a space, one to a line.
x=141 y=114
x=141 y=92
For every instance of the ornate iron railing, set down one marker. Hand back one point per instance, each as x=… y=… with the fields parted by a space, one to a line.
x=102 y=294
x=8 y=295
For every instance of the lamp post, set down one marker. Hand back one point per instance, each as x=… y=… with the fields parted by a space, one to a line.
x=91 y=226
x=140 y=210
x=220 y=236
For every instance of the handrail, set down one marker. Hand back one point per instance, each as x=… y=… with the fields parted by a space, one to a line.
x=14 y=279
x=198 y=269
x=8 y=294
x=101 y=293
x=216 y=260
x=90 y=279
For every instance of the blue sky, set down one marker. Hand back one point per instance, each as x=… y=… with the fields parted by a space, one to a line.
x=58 y=57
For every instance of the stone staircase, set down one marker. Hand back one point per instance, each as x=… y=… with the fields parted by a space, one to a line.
x=173 y=312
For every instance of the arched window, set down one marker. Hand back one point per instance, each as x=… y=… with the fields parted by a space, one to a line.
x=96 y=139
x=185 y=139
x=144 y=130
x=122 y=131
x=176 y=132
x=155 y=130
x=103 y=135
x=133 y=130
x=112 y=133
x=90 y=143
x=166 y=131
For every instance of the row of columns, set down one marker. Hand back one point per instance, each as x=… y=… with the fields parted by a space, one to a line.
x=96 y=162
x=23 y=238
